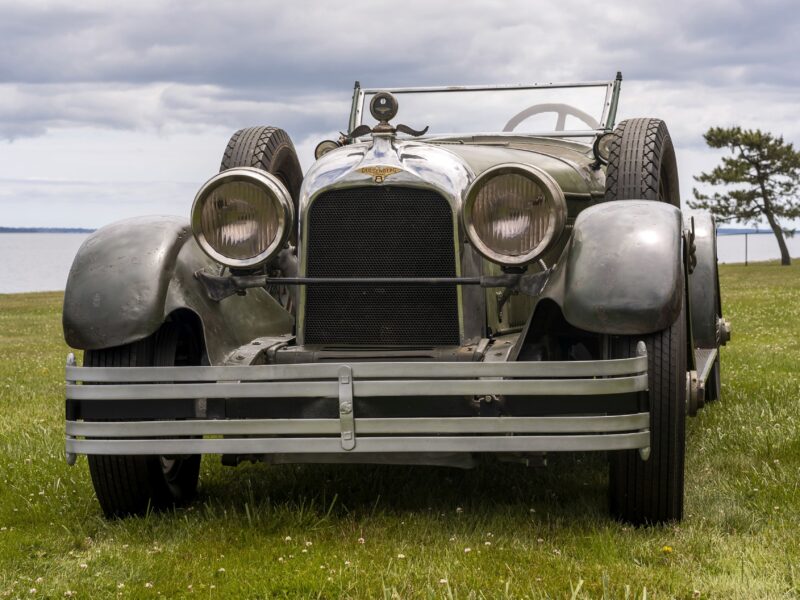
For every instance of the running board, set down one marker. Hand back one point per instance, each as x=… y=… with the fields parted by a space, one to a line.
x=696 y=380
x=704 y=359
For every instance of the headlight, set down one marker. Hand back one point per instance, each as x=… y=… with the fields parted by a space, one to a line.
x=242 y=217
x=602 y=147
x=513 y=213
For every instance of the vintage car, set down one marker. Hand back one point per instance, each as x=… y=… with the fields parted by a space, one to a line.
x=517 y=280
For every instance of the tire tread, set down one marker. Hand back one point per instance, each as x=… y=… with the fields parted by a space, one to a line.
x=131 y=485
x=650 y=492
x=640 y=154
x=269 y=149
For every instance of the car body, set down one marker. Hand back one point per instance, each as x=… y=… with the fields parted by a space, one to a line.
x=422 y=299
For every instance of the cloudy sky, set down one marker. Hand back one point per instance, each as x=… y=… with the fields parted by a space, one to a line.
x=115 y=109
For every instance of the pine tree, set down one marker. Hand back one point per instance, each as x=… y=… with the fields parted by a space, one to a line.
x=761 y=178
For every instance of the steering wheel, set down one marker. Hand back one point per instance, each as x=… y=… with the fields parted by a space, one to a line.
x=562 y=110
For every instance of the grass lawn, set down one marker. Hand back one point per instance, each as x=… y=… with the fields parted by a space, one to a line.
x=397 y=532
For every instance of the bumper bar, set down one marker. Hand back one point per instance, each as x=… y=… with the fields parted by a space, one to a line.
x=349 y=433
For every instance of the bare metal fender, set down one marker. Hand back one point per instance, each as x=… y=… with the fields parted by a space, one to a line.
x=622 y=271
x=706 y=306
x=129 y=276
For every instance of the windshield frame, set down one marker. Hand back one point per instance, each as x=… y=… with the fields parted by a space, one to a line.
x=606 y=121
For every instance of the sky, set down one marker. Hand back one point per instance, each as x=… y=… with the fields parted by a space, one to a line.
x=115 y=109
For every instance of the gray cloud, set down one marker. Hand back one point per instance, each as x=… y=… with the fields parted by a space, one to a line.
x=184 y=68
x=32 y=109
x=306 y=45
x=147 y=65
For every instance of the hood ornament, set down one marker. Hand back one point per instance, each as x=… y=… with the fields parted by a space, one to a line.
x=383 y=108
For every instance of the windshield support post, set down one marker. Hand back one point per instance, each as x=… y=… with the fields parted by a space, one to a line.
x=353 y=107
x=612 y=109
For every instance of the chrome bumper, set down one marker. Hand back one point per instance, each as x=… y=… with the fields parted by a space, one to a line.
x=348 y=433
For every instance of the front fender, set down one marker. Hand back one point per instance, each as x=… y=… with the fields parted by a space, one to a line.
x=622 y=271
x=129 y=276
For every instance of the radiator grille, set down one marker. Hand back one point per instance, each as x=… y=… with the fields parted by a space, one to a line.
x=381 y=231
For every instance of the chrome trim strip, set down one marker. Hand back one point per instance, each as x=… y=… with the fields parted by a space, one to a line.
x=479 y=88
x=377 y=370
x=548 y=443
x=370 y=389
x=367 y=426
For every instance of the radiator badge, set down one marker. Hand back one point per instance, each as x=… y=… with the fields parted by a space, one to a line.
x=378 y=174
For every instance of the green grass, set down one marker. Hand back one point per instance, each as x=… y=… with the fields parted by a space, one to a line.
x=397 y=532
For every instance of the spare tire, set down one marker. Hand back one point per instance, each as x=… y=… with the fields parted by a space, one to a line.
x=269 y=149
x=641 y=163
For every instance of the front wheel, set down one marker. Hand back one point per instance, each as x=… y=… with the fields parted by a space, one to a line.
x=132 y=485
x=644 y=492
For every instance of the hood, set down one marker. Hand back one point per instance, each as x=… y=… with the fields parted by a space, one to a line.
x=386 y=160
x=449 y=166
x=567 y=162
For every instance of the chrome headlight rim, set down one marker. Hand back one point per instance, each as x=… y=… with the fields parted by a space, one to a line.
x=601 y=147
x=554 y=197
x=268 y=182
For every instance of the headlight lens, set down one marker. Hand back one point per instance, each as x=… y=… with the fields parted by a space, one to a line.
x=513 y=213
x=242 y=217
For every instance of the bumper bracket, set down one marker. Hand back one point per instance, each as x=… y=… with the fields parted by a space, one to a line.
x=346 y=420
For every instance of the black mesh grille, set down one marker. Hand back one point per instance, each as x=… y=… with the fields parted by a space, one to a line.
x=381 y=232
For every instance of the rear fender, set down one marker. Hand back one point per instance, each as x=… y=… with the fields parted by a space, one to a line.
x=128 y=277
x=704 y=293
